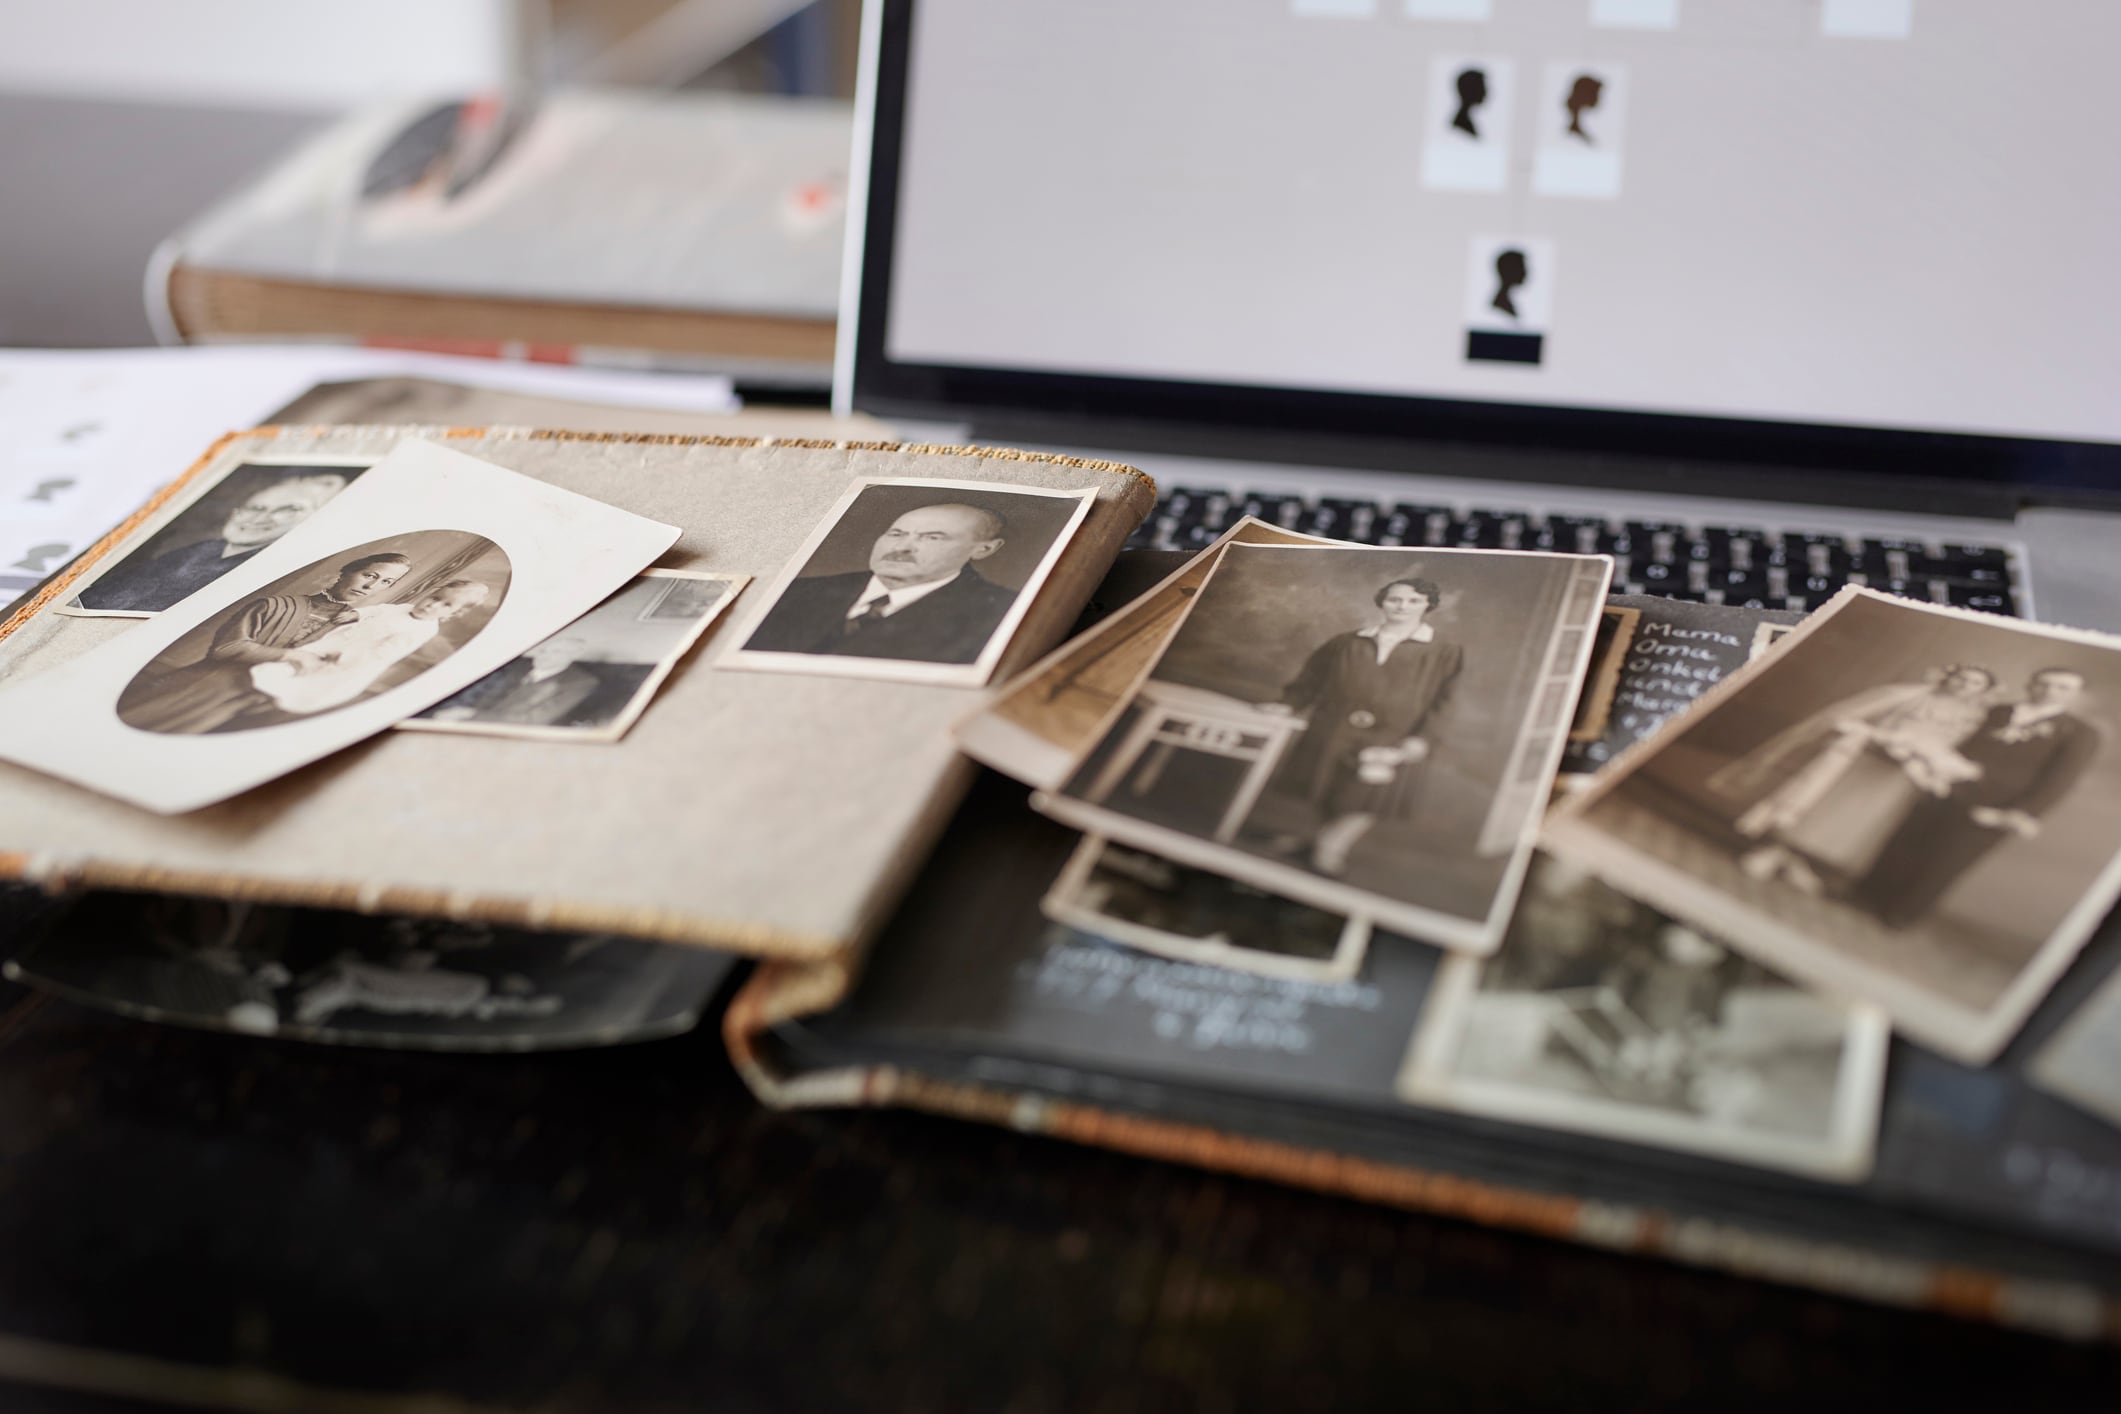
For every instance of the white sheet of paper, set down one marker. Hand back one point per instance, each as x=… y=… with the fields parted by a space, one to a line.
x=564 y=552
x=93 y=433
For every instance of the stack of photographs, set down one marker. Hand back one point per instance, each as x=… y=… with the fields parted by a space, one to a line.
x=1774 y=841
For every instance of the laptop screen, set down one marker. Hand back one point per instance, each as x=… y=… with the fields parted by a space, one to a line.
x=1896 y=216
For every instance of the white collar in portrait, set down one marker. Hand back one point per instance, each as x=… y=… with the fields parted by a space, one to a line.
x=1424 y=634
x=898 y=598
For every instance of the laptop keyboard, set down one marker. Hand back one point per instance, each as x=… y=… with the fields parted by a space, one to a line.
x=1708 y=564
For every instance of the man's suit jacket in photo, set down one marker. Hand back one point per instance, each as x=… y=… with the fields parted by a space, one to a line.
x=511 y=696
x=949 y=625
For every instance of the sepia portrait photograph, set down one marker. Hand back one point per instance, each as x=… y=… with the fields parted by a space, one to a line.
x=1602 y=1016
x=914 y=580
x=1047 y=717
x=1371 y=731
x=1910 y=804
x=1124 y=895
x=353 y=979
x=233 y=516
x=593 y=679
x=429 y=572
x=346 y=628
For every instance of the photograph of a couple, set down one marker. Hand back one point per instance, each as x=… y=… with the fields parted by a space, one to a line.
x=1343 y=726
x=1916 y=800
x=339 y=631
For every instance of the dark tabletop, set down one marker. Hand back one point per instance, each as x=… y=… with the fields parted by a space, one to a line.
x=627 y=1229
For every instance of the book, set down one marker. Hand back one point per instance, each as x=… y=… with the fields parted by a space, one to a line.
x=1920 y=1181
x=695 y=229
x=774 y=814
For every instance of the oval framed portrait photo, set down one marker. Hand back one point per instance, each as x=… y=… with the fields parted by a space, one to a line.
x=339 y=631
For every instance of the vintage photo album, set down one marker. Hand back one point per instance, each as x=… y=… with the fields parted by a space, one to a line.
x=1428 y=876
x=554 y=609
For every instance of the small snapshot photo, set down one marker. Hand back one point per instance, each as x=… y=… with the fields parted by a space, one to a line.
x=337 y=632
x=1333 y=9
x=1603 y=1016
x=1465 y=145
x=1129 y=896
x=592 y=680
x=354 y=979
x=1369 y=731
x=915 y=580
x=1459 y=11
x=1912 y=805
x=1509 y=299
x=1581 y=124
x=1636 y=14
x=236 y=514
x=1867 y=19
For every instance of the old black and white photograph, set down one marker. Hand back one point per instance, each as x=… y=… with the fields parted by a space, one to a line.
x=233 y=515
x=1372 y=731
x=431 y=571
x=1125 y=895
x=915 y=580
x=346 y=628
x=353 y=979
x=1603 y=1016
x=592 y=680
x=1047 y=716
x=1914 y=805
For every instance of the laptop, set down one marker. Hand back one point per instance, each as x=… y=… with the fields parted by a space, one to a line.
x=1759 y=299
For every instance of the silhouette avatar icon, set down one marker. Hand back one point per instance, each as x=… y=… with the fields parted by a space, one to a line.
x=1511 y=271
x=1583 y=96
x=1472 y=92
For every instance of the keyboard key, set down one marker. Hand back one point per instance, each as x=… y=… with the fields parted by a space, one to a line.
x=1968 y=556
x=1988 y=601
x=1283 y=511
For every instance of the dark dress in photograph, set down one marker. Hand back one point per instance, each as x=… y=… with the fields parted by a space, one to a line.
x=212 y=692
x=2029 y=769
x=1353 y=702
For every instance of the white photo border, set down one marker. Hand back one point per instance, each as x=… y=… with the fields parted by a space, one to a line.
x=1062 y=903
x=637 y=704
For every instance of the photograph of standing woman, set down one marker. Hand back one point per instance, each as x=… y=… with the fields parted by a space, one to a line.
x=1367 y=730
x=1366 y=696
